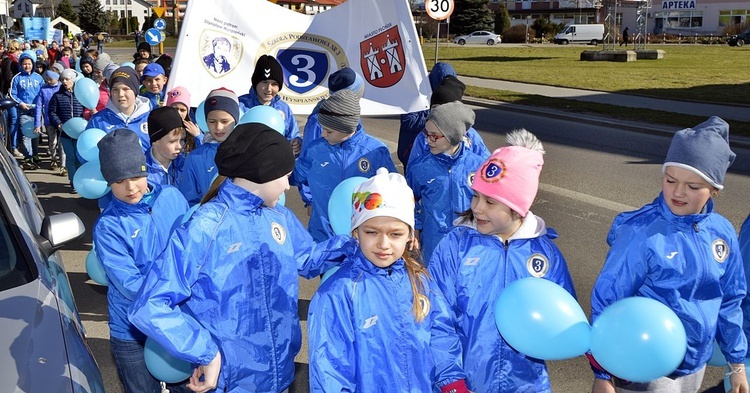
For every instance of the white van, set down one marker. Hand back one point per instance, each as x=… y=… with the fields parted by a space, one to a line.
x=593 y=34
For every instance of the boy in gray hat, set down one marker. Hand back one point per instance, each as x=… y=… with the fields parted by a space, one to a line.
x=343 y=151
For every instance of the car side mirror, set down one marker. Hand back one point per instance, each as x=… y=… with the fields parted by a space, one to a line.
x=60 y=229
x=7 y=103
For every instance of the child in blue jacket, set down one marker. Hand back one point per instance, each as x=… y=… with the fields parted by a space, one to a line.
x=344 y=151
x=679 y=251
x=268 y=80
x=24 y=87
x=222 y=113
x=497 y=242
x=129 y=234
x=154 y=79
x=64 y=106
x=164 y=160
x=442 y=179
x=381 y=311
x=223 y=295
x=41 y=114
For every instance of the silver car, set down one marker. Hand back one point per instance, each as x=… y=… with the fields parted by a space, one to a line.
x=43 y=345
x=478 y=37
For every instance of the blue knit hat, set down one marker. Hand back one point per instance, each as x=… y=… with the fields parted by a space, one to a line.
x=704 y=150
x=346 y=78
x=121 y=156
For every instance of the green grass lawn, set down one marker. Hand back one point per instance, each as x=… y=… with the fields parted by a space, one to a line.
x=709 y=73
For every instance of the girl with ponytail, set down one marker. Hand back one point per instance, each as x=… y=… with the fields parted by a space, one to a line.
x=379 y=323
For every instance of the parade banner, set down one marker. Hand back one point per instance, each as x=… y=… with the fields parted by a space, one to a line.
x=36 y=28
x=221 y=40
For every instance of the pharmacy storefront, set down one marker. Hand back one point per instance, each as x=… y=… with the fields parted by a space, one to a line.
x=693 y=17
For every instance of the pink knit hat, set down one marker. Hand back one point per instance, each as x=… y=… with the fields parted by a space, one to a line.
x=178 y=94
x=511 y=174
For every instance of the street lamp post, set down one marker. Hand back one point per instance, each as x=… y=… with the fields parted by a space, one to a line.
x=127 y=18
x=528 y=19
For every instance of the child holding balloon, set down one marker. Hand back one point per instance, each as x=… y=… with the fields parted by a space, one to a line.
x=129 y=234
x=496 y=242
x=382 y=293
x=64 y=106
x=24 y=87
x=345 y=150
x=222 y=111
x=223 y=295
x=679 y=251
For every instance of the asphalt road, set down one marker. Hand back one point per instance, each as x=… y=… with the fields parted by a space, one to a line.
x=591 y=173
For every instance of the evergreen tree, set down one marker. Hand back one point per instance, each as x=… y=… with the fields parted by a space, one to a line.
x=92 y=16
x=149 y=22
x=65 y=9
x=502 y=19
x=471 y=15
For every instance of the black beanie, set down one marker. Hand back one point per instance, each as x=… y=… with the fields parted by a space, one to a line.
x=120 y=156
x=450 y=89
x=126 y=75
x=255 y=152
x=268 y=68
x=161 y=121
x=143 y=45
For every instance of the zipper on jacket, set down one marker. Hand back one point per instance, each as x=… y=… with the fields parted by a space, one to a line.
x=695 y=227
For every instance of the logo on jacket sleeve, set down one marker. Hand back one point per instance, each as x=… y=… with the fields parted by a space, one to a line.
x=720 y=250
x=382 y=56
x=537 y=265
x=278 y=233
x=364 y=165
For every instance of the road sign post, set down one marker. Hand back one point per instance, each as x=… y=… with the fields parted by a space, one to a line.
x=438 y=10
x=159 y=11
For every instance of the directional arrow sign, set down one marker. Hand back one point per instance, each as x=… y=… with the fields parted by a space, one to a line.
x=153 y=36
x=160 y=24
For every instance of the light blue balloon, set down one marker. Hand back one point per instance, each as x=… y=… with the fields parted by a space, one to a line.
x=128 y=64
x=27 y=129
x=265 y=115
x=87 y=92
x=542 y=320
x=79 y=76
x=727 y=385
x=188 y=214
x=638 y=339
x=94 y=268
x=717 y=358
x=329 y=273
x=164 y=366
x=86 y=146
x=340 y=205
x=78 y=65
x=75 y=126
x=89 y=181
x=200 y=117
x=282 y=199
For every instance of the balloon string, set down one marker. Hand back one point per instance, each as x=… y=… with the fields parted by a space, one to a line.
x=735 y=370
x=164 y=387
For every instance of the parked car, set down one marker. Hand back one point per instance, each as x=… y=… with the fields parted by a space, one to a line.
x=590 y=34
x=43 y=345
x=478 y=37
x=5 y=104
x=739 y=39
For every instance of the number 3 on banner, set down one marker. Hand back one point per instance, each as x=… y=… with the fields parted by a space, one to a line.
x=439 y=9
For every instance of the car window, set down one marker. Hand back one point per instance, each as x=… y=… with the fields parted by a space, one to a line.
x=14 y=271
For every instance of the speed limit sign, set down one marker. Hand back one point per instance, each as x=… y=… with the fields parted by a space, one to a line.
x=439 y=9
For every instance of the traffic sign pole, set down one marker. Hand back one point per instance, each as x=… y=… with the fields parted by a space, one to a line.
x=159 y=11
x=438 y=10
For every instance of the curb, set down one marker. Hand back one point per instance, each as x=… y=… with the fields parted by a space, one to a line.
x=646 y=128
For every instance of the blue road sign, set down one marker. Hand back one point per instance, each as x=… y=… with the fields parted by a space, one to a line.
x=160 y=24
x=153 y=36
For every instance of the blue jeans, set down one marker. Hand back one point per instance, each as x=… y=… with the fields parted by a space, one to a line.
x=31 y=145
x=13 y=125
x=131 y=368
x=68 y=159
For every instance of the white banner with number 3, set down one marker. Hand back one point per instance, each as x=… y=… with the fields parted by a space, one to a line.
x=221 y=40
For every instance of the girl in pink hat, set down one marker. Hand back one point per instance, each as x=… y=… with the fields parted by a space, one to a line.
x=498 y=241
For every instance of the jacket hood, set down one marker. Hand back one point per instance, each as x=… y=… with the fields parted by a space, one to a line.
x=142 y=107
x=531 y=227
x=439 y=71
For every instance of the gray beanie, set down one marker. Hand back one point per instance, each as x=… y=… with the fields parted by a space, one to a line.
x=453 y=119
x=340 y=112
x=121 y=156
x=103 y=61
x=703 y=150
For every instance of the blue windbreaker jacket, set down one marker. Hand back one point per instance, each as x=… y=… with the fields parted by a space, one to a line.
x=154 y=98
x=250 y=100
x=128 y=238
x=313 y=129
x=110 y=119
x=689 y=263
x=323 y=166
x=744 y=240
x=364 y=337
x=227 y=282
x=472 y=140
x=156 y=172
x=472 y=270
x=24 y=87
x=198 y=172
x=442 y=188
x=41 y=114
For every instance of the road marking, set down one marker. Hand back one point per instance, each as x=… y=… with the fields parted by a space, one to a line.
x=590 y=199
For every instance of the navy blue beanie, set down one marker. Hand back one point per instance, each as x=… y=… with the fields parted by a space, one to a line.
x=704 y=150
x=346 y=78
x=121 y=156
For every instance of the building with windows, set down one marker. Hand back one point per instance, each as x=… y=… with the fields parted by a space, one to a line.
x=140 y=9
x=24 y=8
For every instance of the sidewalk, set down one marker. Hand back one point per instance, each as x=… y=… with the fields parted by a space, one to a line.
x=726 y=112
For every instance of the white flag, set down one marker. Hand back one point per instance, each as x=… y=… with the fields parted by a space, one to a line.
x=221 y=40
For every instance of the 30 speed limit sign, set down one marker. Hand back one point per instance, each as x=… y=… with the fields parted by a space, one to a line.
x=439 y=9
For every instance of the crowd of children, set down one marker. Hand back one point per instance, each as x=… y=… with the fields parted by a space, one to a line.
x=411 y=307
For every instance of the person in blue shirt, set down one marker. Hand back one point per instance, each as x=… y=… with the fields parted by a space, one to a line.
x=268 y=80
x=223 y=295
x=164 y=160
x=344 y=151
x=679 y=251
x=41 y=115
x=380 y=293
x=154 y=79
x=222 y=113
x=129 y=234
x=24 y=87
x=441 y=180
x=496 y=242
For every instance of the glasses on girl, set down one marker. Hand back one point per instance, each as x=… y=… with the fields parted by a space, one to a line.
x=432 y=137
